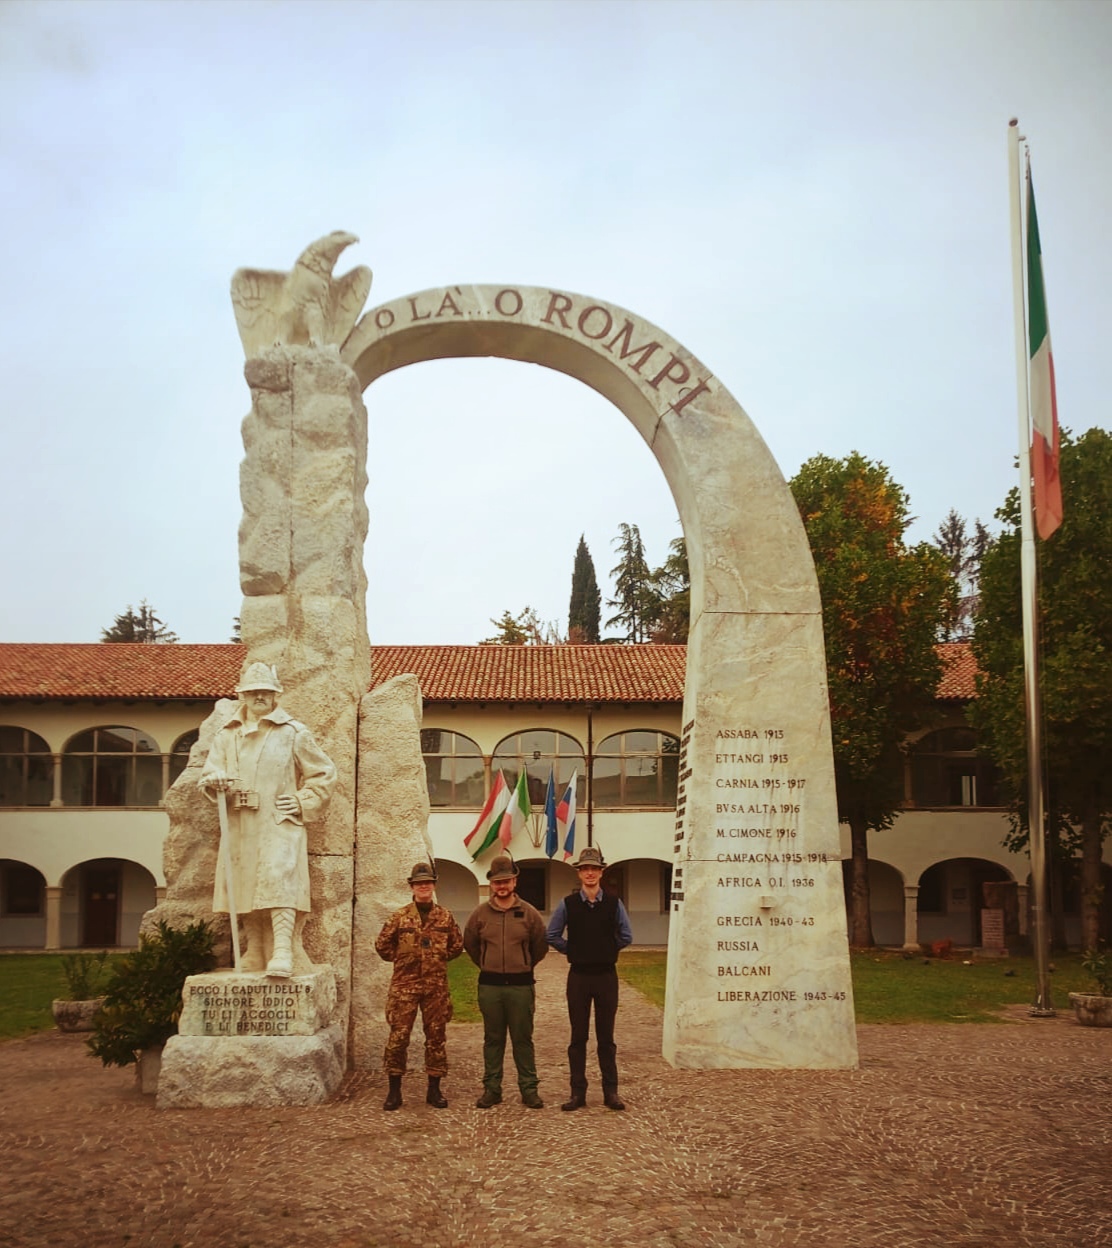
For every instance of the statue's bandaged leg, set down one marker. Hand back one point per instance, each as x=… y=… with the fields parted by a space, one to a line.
x=281 y=961
x=256 y=928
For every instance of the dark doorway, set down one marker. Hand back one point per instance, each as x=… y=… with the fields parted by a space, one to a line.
x=530 y=886
x=100 y=896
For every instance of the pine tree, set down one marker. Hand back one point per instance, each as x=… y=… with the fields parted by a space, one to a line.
x=672 y=583
x=584 y=607
x=635 y=598
x=964 y=552
x=142 y=625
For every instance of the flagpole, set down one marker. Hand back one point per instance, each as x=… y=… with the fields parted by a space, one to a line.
x=1042 y=1007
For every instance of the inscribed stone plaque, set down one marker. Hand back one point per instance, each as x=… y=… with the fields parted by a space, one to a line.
x=992 y=929
x=758 y=973
x=239 y=1003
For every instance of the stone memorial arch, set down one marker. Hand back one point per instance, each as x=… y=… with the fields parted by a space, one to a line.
x=758 y=967
x=758 y=970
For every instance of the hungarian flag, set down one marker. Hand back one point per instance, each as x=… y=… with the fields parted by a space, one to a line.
x=485 y=832
x=565 y=818
x=517 y=812
x=1044 y=403
x=551 y=843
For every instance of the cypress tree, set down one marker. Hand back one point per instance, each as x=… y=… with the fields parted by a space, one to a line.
x=586 y=601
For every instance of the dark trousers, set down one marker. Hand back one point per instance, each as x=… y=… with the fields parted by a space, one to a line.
x=510 y=1009
x=601 y=988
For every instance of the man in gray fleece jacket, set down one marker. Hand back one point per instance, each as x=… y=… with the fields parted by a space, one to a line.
x=505 y=938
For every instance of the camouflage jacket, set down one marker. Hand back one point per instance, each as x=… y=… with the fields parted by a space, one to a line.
x=419 y=951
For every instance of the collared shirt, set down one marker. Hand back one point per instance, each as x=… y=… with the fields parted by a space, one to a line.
x=557 y=925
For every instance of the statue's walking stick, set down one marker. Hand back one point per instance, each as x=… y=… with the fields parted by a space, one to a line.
x=229 y=881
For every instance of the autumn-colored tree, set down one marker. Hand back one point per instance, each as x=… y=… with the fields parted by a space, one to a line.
x=1075 y=661
x=584 y=607
x=142 y=625
x=525 y=629
x=882 y=605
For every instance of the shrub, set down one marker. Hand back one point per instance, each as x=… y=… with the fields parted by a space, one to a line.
x=1099 y=966
x=85 y=974
x=143 y=998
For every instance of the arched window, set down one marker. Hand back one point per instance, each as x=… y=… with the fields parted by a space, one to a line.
x=453 y=769
x=538 y=751
x=22 y=890
x=179 y=755
x=26 y=768
x=946 y=770
x=116 y=766
x=637 y=768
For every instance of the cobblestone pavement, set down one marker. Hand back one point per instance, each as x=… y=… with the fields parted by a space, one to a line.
x=960 y=1136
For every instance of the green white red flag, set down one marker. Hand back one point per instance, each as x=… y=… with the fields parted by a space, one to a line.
x=1044 y=402
x=517 y=812
x=485 y=832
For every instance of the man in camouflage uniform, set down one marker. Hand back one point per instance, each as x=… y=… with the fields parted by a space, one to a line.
x=420 y=939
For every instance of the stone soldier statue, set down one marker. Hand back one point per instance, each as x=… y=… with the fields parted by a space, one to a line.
x=275 y=778
x=420 y=939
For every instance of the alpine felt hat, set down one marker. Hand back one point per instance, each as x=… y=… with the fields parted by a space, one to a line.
x=502 y=868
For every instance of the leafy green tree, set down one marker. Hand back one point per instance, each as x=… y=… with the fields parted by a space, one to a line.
x=882 y=606
x=964 y=551
x=671 y=583
x=1075 y=658
x=586 y=601
x=635 y=596
x=142 y=625
x=525 y=629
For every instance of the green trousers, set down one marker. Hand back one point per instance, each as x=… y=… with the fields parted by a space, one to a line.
x=508 y=1009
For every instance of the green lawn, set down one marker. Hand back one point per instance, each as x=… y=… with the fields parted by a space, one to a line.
x=887 y=987
x=463 y=979
x=28 y=984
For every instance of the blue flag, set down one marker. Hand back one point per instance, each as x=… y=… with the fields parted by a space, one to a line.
x=551 y=842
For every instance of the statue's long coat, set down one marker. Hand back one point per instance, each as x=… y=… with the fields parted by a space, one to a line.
x=269 y=850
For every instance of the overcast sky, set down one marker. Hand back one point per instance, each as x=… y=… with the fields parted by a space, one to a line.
x=811 y=197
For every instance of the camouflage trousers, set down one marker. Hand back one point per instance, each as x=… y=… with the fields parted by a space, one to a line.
x=402 y=1003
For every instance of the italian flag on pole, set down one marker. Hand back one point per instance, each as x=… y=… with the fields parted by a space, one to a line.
x=1044 y=403
x=517 y=812
x=485 y=832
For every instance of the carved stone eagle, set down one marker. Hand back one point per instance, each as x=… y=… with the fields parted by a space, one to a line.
x=306 y=306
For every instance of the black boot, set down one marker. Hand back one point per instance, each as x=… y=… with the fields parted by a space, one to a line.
x=434 y=1096
x=394 y=1096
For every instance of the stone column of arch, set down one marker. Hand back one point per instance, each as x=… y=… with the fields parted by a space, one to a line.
x=758 y=971
x=302 y=485
x=911 y=916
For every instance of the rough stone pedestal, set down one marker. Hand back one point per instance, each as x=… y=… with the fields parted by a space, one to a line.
x=249 y=1039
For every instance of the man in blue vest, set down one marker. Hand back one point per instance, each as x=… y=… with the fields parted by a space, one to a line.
x=590 y=926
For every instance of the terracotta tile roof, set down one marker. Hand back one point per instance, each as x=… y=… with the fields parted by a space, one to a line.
x=117 y=670
x=611 y=673
x=538 y=673
x=959 y=672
